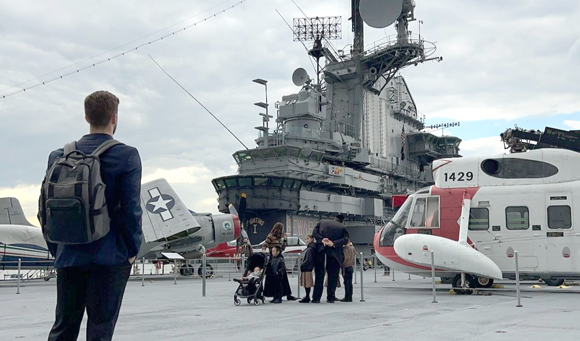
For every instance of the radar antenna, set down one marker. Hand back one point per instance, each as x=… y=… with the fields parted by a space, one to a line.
x=316 y=29
x=387 y=59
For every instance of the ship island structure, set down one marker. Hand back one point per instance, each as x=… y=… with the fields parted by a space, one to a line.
x=349 y=142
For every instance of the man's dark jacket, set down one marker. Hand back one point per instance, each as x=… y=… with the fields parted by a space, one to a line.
x=334 y=231
x=121 y=173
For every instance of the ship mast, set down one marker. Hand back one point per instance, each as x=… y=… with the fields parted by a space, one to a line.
x=357 y=28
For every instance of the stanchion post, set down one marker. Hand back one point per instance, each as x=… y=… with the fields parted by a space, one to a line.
x=174 y=271
x=143 y=274
x=393 y=271
x=203 y=273
x=362 y=294
x=433 y=276
x=519 y=305
x=409 y=276
x=19 y=266
x=243 y=267
x=299 y=260
x=354 y=269
x=375 y=266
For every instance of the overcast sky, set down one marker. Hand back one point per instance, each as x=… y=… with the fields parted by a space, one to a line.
x=504 y=63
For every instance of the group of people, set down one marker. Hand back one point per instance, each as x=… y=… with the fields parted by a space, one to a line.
x=328 y=252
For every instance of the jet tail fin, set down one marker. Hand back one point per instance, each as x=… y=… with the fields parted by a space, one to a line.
x=11 y=212
x=165 y=215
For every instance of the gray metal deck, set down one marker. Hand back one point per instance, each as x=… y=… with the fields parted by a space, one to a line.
x=394 y=310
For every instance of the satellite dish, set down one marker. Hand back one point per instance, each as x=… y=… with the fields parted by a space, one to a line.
x=300 y=77
x=380 y=13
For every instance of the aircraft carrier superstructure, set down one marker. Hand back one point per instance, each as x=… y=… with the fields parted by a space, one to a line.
x=347 y=143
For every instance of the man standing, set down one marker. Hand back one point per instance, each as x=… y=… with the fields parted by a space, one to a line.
x=330 y=236
x=94 y=275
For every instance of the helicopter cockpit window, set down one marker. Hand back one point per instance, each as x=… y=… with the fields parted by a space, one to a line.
x=396 y=227
x=425 y=213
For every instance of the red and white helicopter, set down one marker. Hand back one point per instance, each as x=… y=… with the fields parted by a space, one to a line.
x=481 y=210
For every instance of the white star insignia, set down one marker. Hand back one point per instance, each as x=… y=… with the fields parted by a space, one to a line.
x=160 y=203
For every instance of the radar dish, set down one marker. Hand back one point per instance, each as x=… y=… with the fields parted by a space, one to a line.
x=380 y=13
x=300 y=77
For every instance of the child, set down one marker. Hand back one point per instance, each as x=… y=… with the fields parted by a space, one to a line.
x=274 y=275
x=255 y=275
x=306 y=267
x=347 y=270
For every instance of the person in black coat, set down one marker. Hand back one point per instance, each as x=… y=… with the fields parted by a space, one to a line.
x=306 y=267
x=330 y=236
x=274 y=276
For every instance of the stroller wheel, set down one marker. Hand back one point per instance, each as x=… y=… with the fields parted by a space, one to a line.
x=249 y=300
x=237 y=301
x=256 y=302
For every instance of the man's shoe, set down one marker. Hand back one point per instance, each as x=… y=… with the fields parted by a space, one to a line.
x=315 y=301
x=278 y=301
x=344 y=300
x=330 y=301
x=291 y=298
x=272 y=301
x=305 y=300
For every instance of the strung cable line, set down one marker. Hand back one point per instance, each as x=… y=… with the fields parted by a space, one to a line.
x=113 y=49
x=198 y=102
x=21 y=90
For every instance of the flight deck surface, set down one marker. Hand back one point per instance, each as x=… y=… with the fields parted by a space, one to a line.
x=394 y=310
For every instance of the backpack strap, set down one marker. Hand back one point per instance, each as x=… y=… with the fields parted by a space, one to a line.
x=104 y=147
x=70 y=147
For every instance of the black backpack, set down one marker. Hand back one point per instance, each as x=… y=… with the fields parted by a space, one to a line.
x=72 y=204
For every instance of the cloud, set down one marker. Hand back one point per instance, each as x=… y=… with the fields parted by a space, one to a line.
x=486 y=146
x=27 y=195
x=572 y=124
x=509 y=61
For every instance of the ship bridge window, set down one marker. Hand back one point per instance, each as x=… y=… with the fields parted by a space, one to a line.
x=517 y=218
x=260 y=181
x=559 y=217
x=478 y=219
x=511 y=168
x=425 y=213
x=396 y=227
x=288 y=183
x=297 y=184
x=276 y=182
x=231 y=182
x=219 y=184
x=245 y=182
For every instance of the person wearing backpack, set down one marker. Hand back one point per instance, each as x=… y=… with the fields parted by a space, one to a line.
x=90 y=213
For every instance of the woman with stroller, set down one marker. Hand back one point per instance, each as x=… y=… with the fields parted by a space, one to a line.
x=276 y=237
x=306 y=267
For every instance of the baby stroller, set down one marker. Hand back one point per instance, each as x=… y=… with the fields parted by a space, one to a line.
x=253 y=290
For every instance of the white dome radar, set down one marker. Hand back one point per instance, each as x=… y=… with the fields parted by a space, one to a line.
x=380 y=13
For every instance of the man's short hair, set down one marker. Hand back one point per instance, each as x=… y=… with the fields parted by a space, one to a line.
x=100 y=107
x=277 y=247
x=339 y=218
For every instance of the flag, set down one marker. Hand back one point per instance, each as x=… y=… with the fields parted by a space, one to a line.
x=403 y=144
